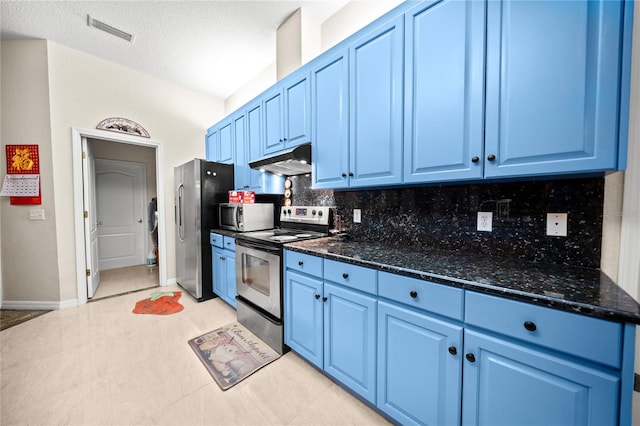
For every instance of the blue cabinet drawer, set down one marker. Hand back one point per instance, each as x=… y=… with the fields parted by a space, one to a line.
x=305 y=263
x=436 y=298
x=358 y=277
x=586 y=337
x=216 y=239
x=229 y=243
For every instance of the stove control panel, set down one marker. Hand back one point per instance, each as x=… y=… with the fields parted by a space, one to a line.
x=305 y=214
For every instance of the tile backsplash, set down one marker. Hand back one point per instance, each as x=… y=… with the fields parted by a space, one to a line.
x=445 y=217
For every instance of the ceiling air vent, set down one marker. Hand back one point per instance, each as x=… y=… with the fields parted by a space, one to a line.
x=91 y=22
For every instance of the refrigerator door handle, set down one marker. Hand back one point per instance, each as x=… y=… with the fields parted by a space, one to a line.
x=180 y=224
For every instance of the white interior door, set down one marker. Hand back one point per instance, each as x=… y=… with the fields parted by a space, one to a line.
x=122 y=223
x=90 y=220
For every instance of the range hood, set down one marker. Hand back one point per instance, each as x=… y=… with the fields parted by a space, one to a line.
x=292 y=162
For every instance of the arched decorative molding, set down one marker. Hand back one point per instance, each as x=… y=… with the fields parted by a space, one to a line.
x=123 y=125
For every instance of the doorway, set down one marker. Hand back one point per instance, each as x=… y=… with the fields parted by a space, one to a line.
x=122 y=204
x=113 y=147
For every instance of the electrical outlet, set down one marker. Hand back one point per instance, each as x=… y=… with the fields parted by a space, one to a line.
x=357 y=216
x=485 y=221
x=557 y=224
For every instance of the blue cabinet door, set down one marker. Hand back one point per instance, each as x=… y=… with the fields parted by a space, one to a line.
x=225 y=151
x=297 y=109
x=241 y=168
x=218 y=272
x=303 y=316
x=419 y=367
x=444 y=91
x=350 y=339
x=254 y=145
x=553 y=71
x=211 y=144
x=330 y=147
x=273 y=140
x=376 y=106
x=507 y=384
x=230 y=277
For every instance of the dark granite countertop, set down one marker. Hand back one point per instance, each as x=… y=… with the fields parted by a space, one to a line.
x=581 y=290
x=226 y=232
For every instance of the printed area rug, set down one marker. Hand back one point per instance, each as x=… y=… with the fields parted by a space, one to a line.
x=232 y=353
x=160 y=303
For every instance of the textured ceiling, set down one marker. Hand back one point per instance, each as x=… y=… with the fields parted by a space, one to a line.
x=214 y=47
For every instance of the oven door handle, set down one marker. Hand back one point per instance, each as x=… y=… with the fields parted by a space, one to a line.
x=255 y=246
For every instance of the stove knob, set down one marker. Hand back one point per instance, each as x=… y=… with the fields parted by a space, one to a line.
x=313 y=212
x=289 y=211
x=319 y=212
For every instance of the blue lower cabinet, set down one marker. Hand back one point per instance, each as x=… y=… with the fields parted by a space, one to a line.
x=507 y=384
x=419 y=367
x=350 y=339
x=224 y=270
x=330 y=325
x=217 y=261
x=429 y=354
x=303 y=316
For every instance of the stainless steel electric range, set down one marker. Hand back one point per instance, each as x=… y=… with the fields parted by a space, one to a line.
x=259 y=269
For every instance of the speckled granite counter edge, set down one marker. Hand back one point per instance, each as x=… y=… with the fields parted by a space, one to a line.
x=537 y=299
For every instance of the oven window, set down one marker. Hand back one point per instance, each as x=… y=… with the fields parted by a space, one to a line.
x=255 y=273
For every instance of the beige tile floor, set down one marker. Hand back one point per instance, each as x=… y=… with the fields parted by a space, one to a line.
x=123 y=280
x=100 y=364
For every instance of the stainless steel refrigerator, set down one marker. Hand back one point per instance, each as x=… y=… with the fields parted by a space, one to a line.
x=199 y=186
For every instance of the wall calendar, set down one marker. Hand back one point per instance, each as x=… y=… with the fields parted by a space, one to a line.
x=22 y=182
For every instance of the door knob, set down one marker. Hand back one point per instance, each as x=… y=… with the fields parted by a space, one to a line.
x=139 y=220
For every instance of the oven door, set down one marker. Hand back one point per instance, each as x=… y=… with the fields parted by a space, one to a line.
x=258 y=276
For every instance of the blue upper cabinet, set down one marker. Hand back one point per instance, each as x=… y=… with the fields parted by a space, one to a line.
x=444 y=91
x=226 y=147
x=211 y=144
x=241 y=169
x=253 y=147
x=248 y=141
x=297 y=109
x=376 y=82
x=553 y=87
x=330 y=96
x=287 y=113
x=272 y=104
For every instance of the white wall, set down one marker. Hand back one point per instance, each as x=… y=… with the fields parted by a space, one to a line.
x=84 y=90
x=351 y=18
x=310 y=38
x=29 y=251
x=51 y=89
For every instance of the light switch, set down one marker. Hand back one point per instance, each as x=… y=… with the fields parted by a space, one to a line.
x=36 y=214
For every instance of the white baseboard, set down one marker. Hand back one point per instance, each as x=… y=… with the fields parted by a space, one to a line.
x=171 y=281
x=38 y=305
